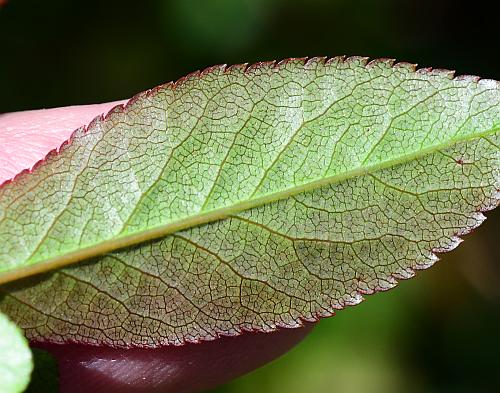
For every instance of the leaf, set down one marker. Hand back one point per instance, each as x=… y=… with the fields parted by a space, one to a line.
x=248 y=199
x=15 y=358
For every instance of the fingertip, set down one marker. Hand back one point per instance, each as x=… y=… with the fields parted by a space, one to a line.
x=27 y=136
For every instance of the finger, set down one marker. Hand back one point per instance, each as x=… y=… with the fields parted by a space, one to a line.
x=185 y=369
x=27 y=137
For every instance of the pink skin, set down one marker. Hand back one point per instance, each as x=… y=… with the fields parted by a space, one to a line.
x=25 y=138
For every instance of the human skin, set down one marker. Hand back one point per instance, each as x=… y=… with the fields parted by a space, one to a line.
x=26 y=138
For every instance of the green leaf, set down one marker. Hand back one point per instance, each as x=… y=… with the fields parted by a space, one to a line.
x=16 y=361
x=247 y=199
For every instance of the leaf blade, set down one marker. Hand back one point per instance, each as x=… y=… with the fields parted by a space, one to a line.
x=204 y=282
x=48 y=247
x=290 y=259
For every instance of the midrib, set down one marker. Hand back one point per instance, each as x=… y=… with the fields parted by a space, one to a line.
x=219 y=214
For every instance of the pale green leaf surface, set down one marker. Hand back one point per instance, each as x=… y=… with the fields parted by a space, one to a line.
x=16 y=361
x=275 y=195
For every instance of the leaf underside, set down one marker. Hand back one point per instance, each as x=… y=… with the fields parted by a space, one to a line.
x=247 y=198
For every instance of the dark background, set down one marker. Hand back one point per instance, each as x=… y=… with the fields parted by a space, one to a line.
x=435 y=333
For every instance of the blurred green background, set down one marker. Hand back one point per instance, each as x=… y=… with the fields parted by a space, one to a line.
x=435 y=333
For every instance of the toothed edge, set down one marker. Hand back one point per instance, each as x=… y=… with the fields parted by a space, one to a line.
x=467 y=78
x=261 y=65
x=489 y=83
x=290 y=62
x=386 y=62
x=237 y=68
x=245 y=68
x=315 y=61
x=362 y=290
x=411 y=67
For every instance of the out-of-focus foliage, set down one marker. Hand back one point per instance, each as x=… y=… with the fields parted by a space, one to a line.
x=437 y=332
x=16 y=362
